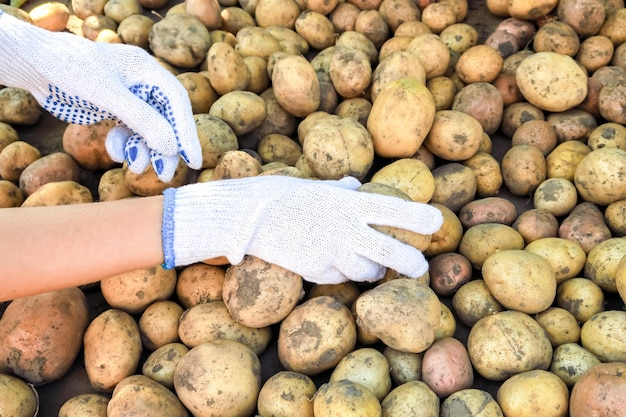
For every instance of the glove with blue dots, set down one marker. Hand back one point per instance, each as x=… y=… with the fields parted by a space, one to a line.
x=83 y=82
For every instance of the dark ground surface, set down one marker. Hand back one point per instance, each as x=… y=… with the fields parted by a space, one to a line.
x=47 y=134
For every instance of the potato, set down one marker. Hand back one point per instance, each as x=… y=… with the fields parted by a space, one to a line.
x=599 y=390
x=534 y=392
x=161 y=363
x=42 y=335
x=595 y=52
x=243 y=111
x=507 y=85
x=573 y=124
x=484 y=102
x=455 y=185
x=459 y=37
x=556 y=36
x=216 y=137
x=581 y=297
x=258 y=294
x=585 y=224
x=536 y=224
x=560 y=326
x=18 y=107
x=446 y=367
x=350 y=72
x=601 y=335
x=199 y=283
x=566 y=257
x=210 y=321
x=607 y=135
x=86 y=8
x=447 y=323
x=135 y=30
x=347 y=147
x=10 y=195
x=138 y=394
x=58 y=193
x=221 y=377
x=470 y=402
x=612 y=27
x=86 y=144
x=296 y=86
x=118 y=10
x=570 y=361
x=366 y=367
x=56 y=166
x=523 y=169
x=454 y=135
x=94 y=24
x=595 y=182
x=277 y=14
x=520 y=280
x=443 y=89
x=8 y=134
x=15 y=157
x=508 y=343
x=403 y=366
x=236 y=164
x=134 y=291
x=372 y=24
x=602 y=262
x=147 y=183
x=539 y=133
x=88 y=405
x=472 y=301
x=433 y=53
x=515 y=114
x=479 y=63
x=287 y=393
x=585 y=18
x=556 y=195
x=343 y=16
x=356 y=40
x=208 y=12
x=448 y=272
x=109 y=363
x=411 y=398
x=563 y=160
x=235 y=19
x=488 y=210
x=180 y=39
x=397 y=132
x=19 y=398
x=373 y=307
x=316 y=335
x=51 y=16
x=112 y=185
x=614 y=217
x=316 y=28
x=199 y=89
x=482 y=240
x=488 y=174
x=449 y=235
x=551 y=81
x=158 y=324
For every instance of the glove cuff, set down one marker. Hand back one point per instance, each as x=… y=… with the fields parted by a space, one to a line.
x=207 y=220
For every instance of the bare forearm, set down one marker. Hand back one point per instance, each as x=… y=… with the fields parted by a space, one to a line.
x=48 y=248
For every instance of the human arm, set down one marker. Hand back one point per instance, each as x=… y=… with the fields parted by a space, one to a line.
x=48 y=248
x=318 y=229
x=83 y=82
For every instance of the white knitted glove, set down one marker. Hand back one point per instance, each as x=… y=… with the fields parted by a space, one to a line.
x=83 y=82
x=317 y=229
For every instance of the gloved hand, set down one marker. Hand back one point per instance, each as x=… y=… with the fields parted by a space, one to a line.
x=83 y=82
x=317 y=229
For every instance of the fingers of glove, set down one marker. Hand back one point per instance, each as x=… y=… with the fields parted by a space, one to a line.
x=115 y=142
x=392 y=211
x=391 y=253
x=359 y=268
x=137 y=154
x=164 y=166
x=349 y=183
x=172 y=100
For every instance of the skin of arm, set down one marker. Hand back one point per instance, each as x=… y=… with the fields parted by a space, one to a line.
x=56 y=247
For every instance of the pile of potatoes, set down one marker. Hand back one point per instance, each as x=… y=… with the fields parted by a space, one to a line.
x=506 y=115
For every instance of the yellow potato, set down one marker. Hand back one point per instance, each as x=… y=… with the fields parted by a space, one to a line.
x=520 y=280
x=411 y=176
x=484 y=239
x=287 y=393
x=532 y=393
x=109 y=363
x=396 y=130
x=454 y=135
x=140 y=395
x=342 y=397
x=161 y=363
x=602 y=335
x=296 y=85
x=580 y=296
